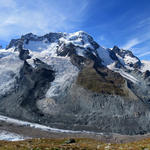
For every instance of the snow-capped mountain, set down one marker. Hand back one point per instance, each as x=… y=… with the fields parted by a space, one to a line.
x=64 y=79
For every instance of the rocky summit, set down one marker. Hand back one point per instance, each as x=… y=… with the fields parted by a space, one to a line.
x=69 y=81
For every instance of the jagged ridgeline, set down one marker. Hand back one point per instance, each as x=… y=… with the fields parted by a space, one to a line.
x=69 y=81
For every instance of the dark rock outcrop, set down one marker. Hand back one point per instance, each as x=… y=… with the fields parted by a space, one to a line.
x=146 y=74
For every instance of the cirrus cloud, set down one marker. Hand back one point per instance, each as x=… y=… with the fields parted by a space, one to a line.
x=40 y=16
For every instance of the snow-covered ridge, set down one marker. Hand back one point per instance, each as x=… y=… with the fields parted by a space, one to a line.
x=83 y=43
x=80 y=39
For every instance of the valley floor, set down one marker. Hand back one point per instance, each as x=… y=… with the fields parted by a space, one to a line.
x=33 y=138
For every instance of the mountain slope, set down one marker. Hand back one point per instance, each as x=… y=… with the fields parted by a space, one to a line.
x=62 y=79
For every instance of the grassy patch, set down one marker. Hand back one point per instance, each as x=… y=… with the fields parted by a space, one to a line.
x=80 y=144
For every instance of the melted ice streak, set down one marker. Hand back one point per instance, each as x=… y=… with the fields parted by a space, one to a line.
x=127 y=75
x=10 y=66
x=65 y=72
x=39 y=126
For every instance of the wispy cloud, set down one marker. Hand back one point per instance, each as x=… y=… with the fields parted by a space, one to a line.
x=131 y=43
x=140 y=46
x=144 y=23
x=38 y=16
x=144 y=54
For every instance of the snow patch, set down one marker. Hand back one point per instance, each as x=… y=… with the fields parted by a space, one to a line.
x=130 y=60
x=145 y=66
x=111 y=66
x=9 y=136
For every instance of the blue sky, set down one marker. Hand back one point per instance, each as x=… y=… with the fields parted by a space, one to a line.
x=125 y=23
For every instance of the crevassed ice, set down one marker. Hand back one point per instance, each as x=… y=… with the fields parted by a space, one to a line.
x=65 y=75
x=65 y=72
x=10 y=66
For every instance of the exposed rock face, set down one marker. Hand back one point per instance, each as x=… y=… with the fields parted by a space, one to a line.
x=69 y=81
x=101 y=80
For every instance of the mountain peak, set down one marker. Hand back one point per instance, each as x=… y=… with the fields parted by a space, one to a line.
x=69 y=76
